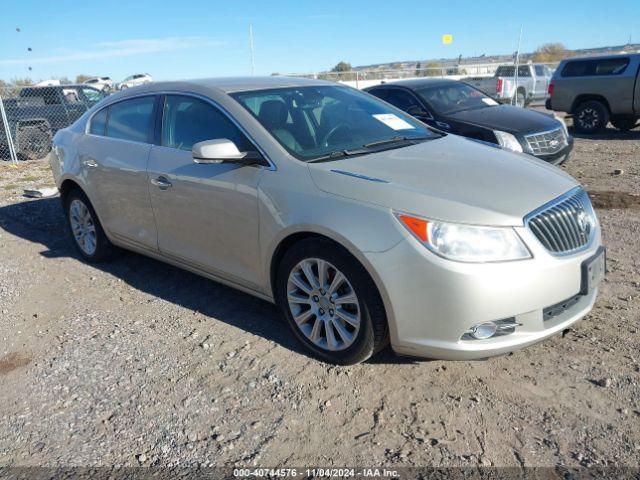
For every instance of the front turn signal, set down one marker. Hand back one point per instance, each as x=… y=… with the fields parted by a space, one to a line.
x=417 y=226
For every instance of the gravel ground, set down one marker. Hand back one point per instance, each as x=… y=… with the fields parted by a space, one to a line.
x=138 y=363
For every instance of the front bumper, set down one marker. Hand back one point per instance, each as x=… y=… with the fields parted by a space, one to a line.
x=433 y=301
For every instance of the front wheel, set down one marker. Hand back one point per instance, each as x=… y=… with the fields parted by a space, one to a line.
x=331 y=303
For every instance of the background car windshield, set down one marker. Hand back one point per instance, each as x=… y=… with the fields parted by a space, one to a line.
x=447 y=99
x=311 y=122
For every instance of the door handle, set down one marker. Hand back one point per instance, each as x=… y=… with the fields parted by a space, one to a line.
x=89 y=162
x=161 y=182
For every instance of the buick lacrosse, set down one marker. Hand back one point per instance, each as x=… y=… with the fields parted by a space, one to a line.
x=361 y=223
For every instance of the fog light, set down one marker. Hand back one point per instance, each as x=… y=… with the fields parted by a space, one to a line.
x=483 y=330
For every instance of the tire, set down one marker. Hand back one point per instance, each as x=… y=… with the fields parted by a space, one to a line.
x=590 y=117
x=324 y=330
x=34 y=142
x=519 y=99
x=85 y=228
x=624 y=122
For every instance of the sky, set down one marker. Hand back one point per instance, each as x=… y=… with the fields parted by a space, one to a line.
x=194 y=39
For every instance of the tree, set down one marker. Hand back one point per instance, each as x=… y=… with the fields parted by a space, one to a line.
x=82 y=78
x=432 y=69
x=342 y=67
x=550 y=52
x=22 y=82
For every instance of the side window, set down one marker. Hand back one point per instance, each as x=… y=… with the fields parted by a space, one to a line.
x=401 y=99
x=99 y=122
x=611 y=66
x=131 y=120
x=71 y=96
x=578 y=68
x=187 y=121
x=524 y=71
x=381 y=93
x=539 y=70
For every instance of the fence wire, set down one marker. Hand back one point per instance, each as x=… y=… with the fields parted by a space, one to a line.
x=31 y=116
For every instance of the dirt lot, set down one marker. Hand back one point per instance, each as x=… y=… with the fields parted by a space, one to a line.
x=135 y=362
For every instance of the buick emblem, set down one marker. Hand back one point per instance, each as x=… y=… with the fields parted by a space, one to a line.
x=583 y=221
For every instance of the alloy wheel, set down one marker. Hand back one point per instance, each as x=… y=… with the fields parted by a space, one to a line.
x=323 y=304
x=588 y=118
x=82 y=226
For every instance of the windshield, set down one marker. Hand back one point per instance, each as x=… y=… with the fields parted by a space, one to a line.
x=320 y=121
x=455 y=97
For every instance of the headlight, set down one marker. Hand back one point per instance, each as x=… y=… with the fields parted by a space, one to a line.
x=466 y=243
x=508 y=141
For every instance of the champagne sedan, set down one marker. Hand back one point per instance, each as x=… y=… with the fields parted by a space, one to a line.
x=365 y=227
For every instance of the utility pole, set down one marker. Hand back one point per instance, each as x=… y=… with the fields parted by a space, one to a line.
x=253 y=63
x=514 y=101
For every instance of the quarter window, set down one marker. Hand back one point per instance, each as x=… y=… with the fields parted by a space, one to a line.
x=131 y=120
x=187 y=121
x=99 y=122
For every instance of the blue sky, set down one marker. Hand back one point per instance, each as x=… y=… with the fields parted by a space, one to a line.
x=189 y=39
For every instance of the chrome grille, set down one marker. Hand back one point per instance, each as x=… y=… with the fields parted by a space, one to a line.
x=547 y=143
x=565 y=225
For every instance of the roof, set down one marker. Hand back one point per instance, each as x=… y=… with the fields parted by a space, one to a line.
x=237 y=84
x=420 y=82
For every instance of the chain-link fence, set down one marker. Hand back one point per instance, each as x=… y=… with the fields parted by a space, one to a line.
x=363 y=78
x=30 y=116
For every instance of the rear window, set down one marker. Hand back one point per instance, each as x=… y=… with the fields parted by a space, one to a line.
x=605 y=66
x=131 y=120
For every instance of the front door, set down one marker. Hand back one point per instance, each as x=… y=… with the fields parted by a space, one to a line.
x=206 y=214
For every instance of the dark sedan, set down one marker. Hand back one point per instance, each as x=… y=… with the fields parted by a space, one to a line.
x=455 y=107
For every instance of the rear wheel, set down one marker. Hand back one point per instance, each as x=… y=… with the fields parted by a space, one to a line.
x=519 y=99
x=590 y=117
x=331 y=303
x=86 y=230
x=624 y=122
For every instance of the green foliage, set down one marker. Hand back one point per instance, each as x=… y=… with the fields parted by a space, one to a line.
x=550 y=52
x=82 y=78
x=342 y=67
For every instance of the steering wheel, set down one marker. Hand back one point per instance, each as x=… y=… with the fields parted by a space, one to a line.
x=325 y=139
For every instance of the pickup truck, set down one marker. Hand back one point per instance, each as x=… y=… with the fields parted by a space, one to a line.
x=598 y=90
x=532 y=83
x=37 y=113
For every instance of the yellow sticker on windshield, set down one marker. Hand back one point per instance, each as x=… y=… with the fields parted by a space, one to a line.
x=393 y=121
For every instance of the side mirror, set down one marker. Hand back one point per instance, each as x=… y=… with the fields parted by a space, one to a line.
x=222 y=150
x=416 y=111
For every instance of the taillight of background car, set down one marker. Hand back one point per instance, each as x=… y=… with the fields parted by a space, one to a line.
x=499 y=85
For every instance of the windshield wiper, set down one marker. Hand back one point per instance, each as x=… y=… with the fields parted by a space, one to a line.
x=338 y=154
x=395 y=140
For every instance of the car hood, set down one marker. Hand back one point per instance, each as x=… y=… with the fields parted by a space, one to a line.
x=451 y=178
x=508 y=119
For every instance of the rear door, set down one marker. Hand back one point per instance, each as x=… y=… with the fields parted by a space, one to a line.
x=207 y=214
x=114 y=156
